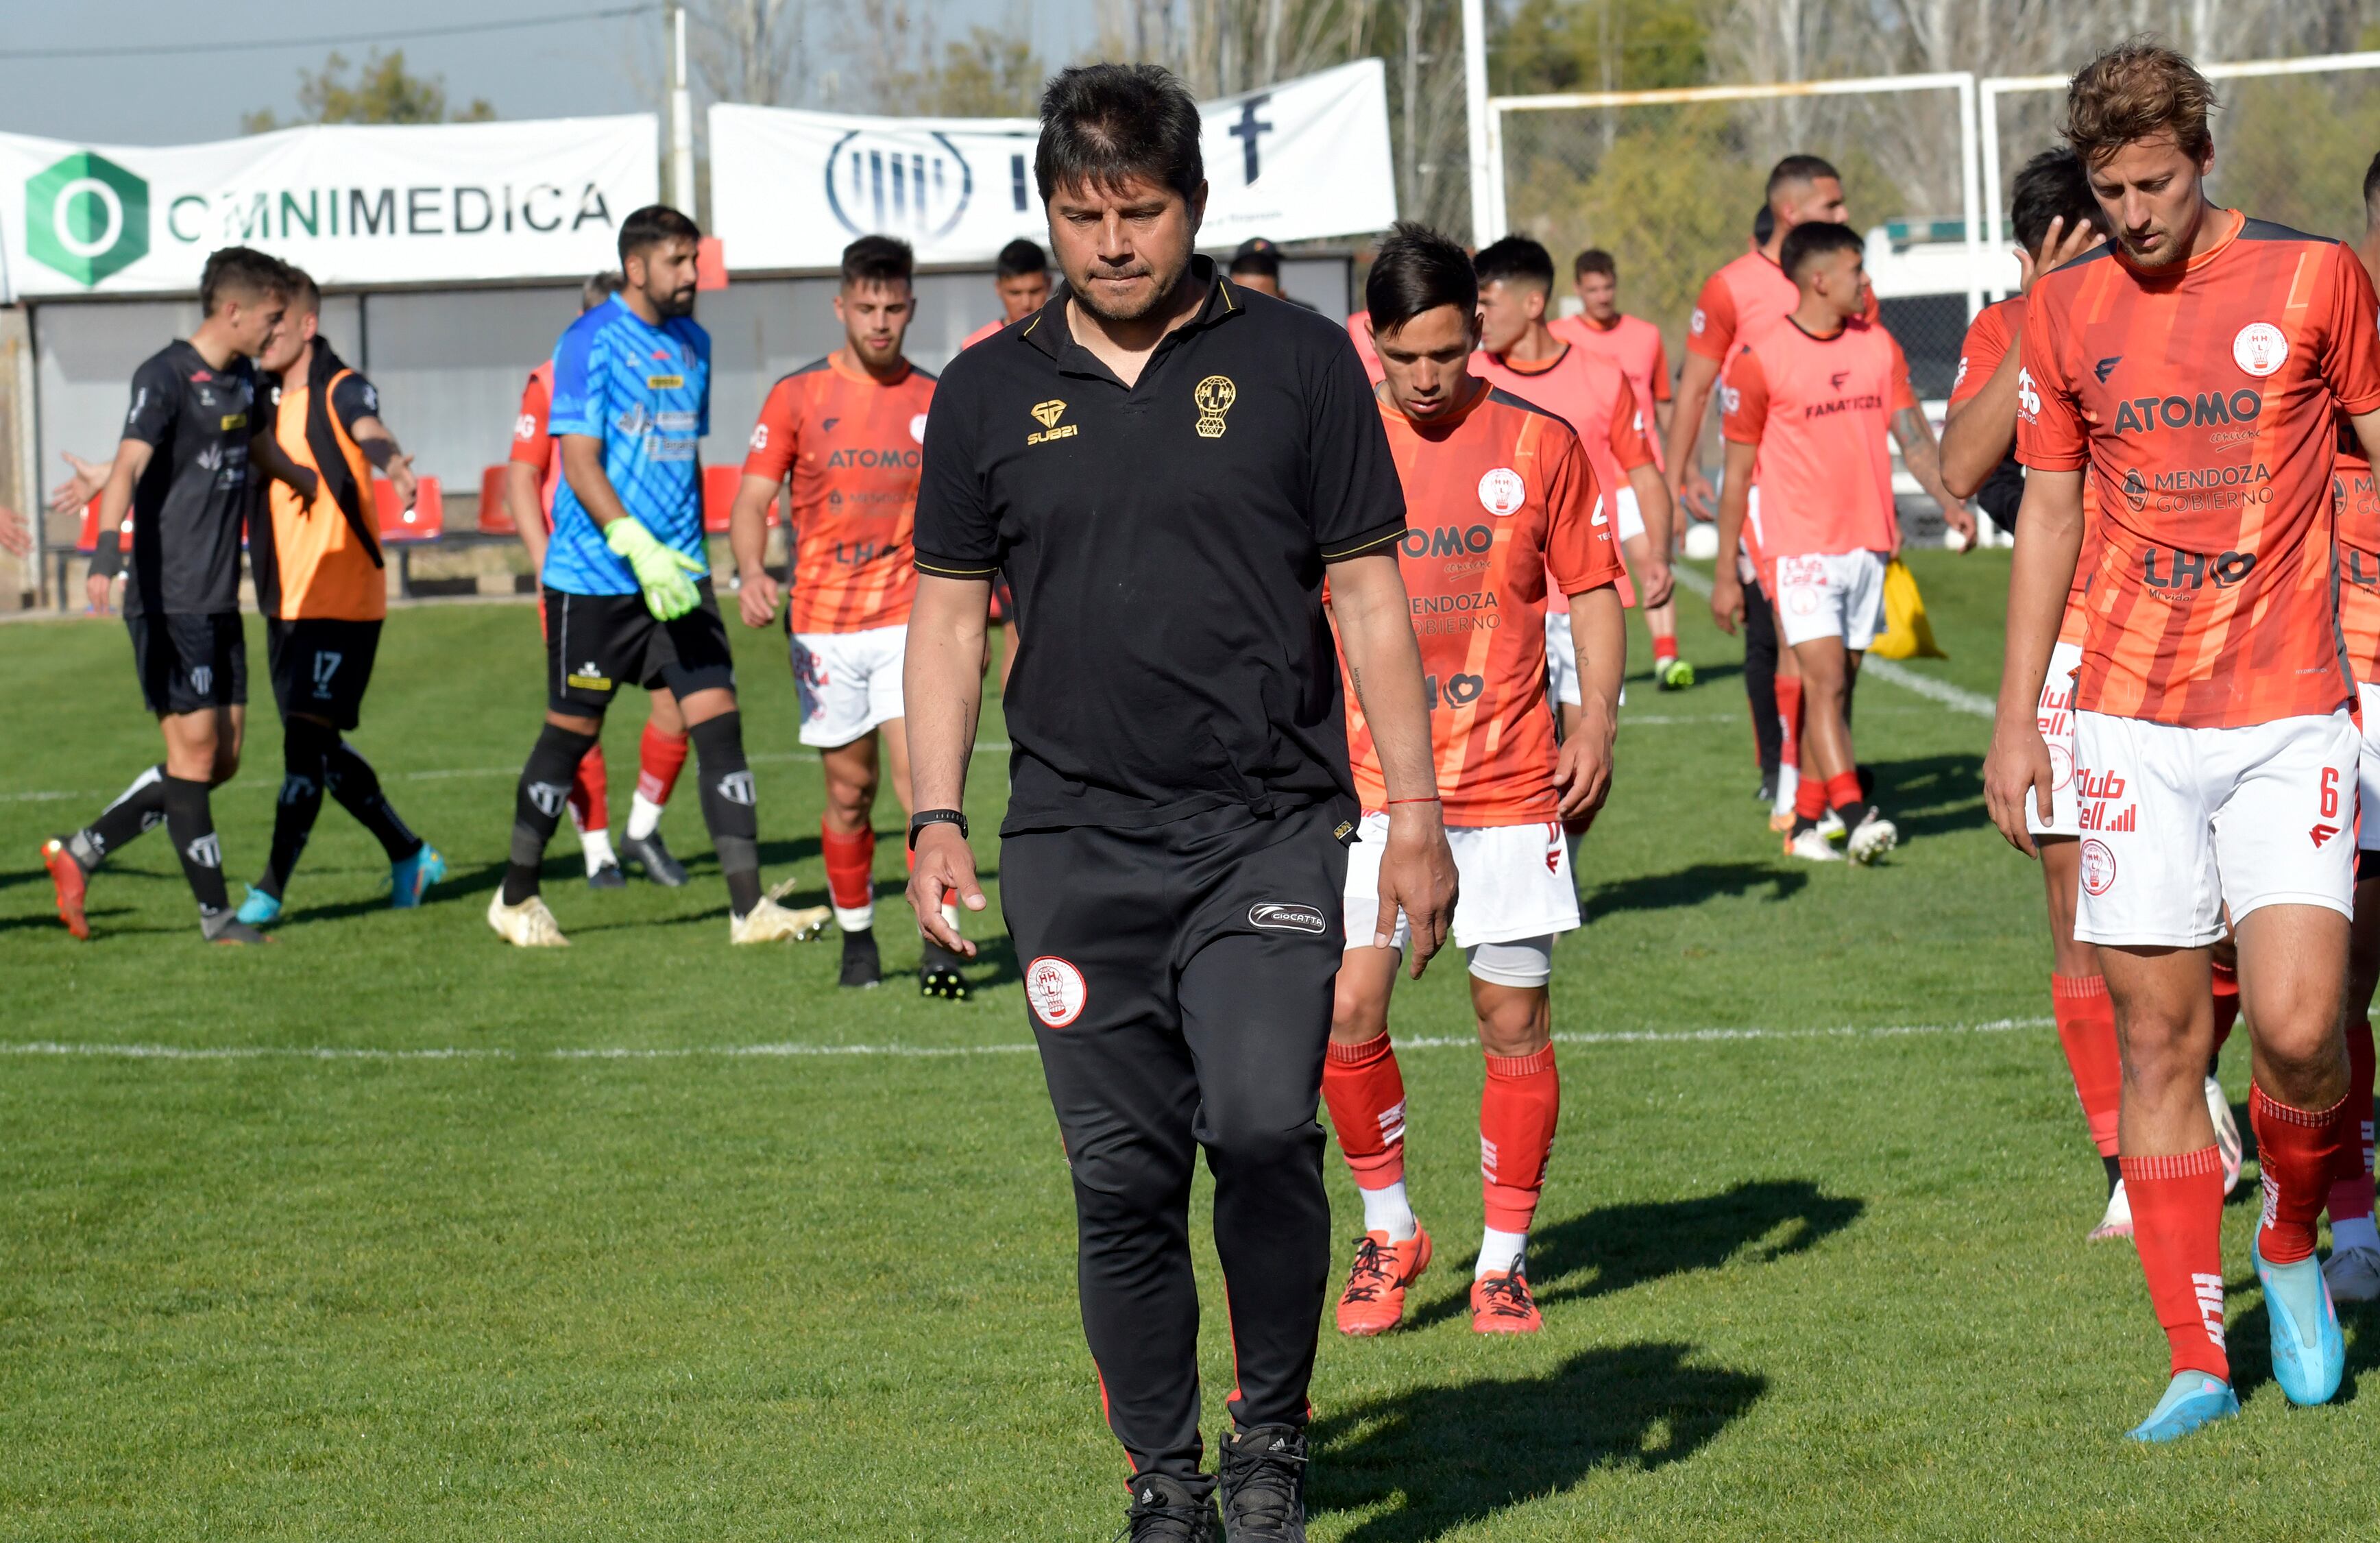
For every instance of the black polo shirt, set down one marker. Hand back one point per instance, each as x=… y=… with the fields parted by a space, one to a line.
x=1166 y=546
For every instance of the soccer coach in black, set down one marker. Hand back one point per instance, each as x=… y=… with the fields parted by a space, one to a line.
x=1166 y=467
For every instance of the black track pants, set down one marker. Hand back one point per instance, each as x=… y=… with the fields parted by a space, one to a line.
x=1760 y=676
x=1179 y=980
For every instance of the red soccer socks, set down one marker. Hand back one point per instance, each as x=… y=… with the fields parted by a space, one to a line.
x=2297 y=1151
x=2177 y=1226
x=590 y=791
x=1366 y=1093
x=2350 y=1190
x=2086 y=1029
x=1518 y=1110
x=850 y=877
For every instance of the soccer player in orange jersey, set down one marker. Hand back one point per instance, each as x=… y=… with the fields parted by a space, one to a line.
x=1814 y=400
x=2353 y=1267
x=846 y=430
x=1021 y=279
x=1518 y=353
x=532 y=473
x=2193 y=372
x=1502 y=509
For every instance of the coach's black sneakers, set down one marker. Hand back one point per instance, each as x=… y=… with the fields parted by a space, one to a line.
x=938 y=973
x=660 y=867
x=1264 y=1485
x=861 y=968
x=1168 y=1511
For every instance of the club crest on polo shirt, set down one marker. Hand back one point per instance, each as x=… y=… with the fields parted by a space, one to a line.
x=1272 y=916
x=1213 y=396
x=1047 y=415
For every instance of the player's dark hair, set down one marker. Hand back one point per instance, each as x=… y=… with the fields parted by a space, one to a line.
x=1263 y=261
x=1021 y=257
x=1416 y=270
x=1805 y=244
x=305 y=295
x=1102 y=126
x=655 y=225
x=1799 y=171
x=1764 y=226
x=241 y=271
x=2135 y=90
x=885 y=259
x=598 y=289
x=2052 y=184
x=1595 y=260
x=2372 y=191
x=1515 y=260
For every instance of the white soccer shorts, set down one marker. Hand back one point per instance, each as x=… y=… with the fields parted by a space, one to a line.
x=1562 y=659
x=2178 y=824
x=1836 y=594
x=1629 y=514
x=1517 y=883
x=849 y=682
x=2368 y=830
x=2055 y=718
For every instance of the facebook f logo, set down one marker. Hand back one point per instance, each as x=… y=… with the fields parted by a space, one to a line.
x=1248 y=130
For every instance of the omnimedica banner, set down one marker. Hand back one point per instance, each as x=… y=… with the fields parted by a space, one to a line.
x=1307 y=158
x=351 y=205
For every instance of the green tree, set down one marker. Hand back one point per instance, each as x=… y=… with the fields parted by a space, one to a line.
x=990 y=74
x=383 y=91
x=1598 y=45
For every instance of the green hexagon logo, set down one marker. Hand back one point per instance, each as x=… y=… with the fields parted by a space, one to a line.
x=87 y=217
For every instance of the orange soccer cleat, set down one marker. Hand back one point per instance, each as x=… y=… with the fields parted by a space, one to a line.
x=1502 y=1305
x=1374 y=1301
x=66 y=875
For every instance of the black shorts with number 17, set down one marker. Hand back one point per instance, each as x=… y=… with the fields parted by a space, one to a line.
x=596 y=644
x=320 y=666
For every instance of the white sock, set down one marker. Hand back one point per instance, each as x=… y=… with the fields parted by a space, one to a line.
x=1386 y=1210
x=856 y=919
x=1789 y=782
x=596 y=846
x=644 y=817
x=2356 y=1232
x=1501 y=1253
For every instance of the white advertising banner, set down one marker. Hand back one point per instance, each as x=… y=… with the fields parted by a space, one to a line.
x=350 y=204
x=1303 y=159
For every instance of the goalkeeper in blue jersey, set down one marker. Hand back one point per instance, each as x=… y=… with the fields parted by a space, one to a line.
x=627 y=577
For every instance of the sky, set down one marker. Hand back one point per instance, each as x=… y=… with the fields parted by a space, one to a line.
x=177 y=97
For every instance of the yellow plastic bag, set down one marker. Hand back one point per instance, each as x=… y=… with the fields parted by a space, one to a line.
x=1906 y=632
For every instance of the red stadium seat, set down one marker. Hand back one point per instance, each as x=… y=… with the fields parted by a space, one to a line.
x=719 y=485
x=89 y=541
x=494 y=518
x=426 y=521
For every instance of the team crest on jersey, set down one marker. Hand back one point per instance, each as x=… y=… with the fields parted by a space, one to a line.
x=2260 y=348
x=1502 y=491
x=1054 y=990
x=1214 y=397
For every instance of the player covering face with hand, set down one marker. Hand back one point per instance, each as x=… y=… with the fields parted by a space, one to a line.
x=626 y=577
x=1502 y=505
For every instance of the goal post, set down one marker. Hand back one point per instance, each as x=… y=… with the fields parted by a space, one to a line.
x=2273 y=157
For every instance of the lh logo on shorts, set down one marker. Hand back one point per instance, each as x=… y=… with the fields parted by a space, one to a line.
x=2098 y=866
x=1054 y=990
x=1274 y=916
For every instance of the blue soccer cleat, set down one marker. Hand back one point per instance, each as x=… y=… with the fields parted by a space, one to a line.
x=259 y=909
x=2309 y=1352
x=408 y=878
x=2192 y=1399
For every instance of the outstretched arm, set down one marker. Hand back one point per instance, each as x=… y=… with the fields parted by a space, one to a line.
x=941 y=686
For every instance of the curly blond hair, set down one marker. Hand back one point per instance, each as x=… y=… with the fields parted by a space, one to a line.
x=2137 y=89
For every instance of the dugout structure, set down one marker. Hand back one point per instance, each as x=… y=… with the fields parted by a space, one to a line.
x=2292 y=137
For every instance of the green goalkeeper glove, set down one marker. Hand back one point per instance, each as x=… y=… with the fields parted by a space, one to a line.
x=662 y=572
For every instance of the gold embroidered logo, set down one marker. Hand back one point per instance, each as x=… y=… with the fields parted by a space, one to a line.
x=1214 y=397
x=1047 y=414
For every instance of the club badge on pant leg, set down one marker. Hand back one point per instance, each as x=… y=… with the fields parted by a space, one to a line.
x=1054 y=990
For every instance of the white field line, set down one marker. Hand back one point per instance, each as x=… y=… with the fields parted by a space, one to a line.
x=58 y=1050
x=766 y=758
x=1957 y=698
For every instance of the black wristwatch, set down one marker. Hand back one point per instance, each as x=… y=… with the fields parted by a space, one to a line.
x=924 y=818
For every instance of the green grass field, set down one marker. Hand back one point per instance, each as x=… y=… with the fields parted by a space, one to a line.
x=393 y=1233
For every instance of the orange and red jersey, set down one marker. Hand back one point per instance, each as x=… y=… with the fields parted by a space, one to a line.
x=1359 y=328
x=1499 y=498
x=532 y=445
x=1590 y=394
x=2202 y=400
x=1989 y=335
x=1820 y=410
x=1633 y=344
x=1741 y=302
x=989 y=328
x=852 y=445
x=2356 y=503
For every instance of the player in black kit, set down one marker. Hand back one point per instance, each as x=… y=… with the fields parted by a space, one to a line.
x=182 y=469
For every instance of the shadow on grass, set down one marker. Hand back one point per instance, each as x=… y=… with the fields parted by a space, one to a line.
x=1689 y=887
x=1933 y=795
x=1444 y=1458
